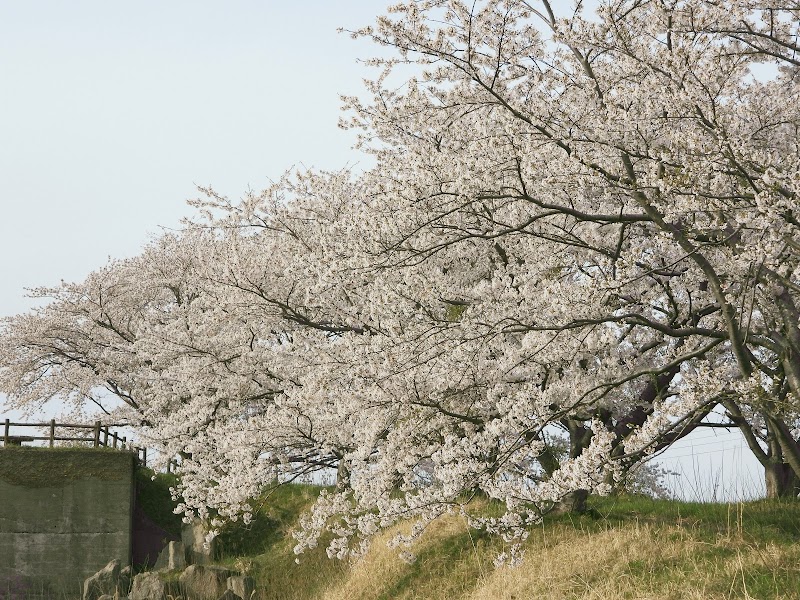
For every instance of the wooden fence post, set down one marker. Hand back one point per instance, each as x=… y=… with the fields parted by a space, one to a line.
x=105 y=436
x=52 y=432
x=5 y=435
x=96 y=434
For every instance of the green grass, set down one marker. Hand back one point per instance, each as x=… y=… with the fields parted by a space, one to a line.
x=36 y=467
x=760 y=520
x=624 y=547
x=276 y=512
x=449 y=562
x=154 y=498
x=263 y=548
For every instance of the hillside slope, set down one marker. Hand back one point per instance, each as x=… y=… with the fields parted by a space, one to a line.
x=626 y=548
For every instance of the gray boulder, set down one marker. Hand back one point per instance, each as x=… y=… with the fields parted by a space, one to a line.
x=147 y=586
x=230 y=595
x=172 y=557
x=106 y=597
x=104 y=582
x=242 y=585
x=204 y=582
x=125 y=580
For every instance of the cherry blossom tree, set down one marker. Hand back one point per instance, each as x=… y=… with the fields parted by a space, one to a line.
x=607 y=203
x=641 y=141
x=162 y=342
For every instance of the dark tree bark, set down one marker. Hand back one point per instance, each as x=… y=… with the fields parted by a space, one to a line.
x=781 y=480
x=574 y=502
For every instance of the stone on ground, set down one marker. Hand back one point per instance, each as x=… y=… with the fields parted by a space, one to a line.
x=204 y=582
x=125 y=579
x=104 y=582
x=147 y=586
x=242 y=585
x=172 y=557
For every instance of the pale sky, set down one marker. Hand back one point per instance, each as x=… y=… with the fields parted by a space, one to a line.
x=111 y=113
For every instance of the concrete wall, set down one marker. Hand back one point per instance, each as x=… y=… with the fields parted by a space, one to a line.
x=64 y=514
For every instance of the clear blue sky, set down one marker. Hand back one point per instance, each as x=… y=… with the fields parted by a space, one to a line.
x=112 y=112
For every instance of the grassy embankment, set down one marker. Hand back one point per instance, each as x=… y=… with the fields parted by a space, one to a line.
x=628 y=547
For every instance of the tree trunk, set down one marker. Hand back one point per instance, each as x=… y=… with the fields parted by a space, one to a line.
x=781 y=481
x=342 y=475
x=574 y=502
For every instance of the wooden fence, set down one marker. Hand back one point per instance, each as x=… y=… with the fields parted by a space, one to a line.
x=98 y=435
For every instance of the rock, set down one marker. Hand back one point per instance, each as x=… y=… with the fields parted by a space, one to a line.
x=172 y=557
x=242 y=585
x=104 y=582
x=125 y=578
x=106 y=597
x=204 y=582
x=147 y=586
x=193 y=536
x=230 y=595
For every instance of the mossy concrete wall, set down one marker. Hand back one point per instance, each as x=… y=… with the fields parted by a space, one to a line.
x=64 y=514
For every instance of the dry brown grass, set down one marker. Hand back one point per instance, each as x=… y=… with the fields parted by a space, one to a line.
x=632 y=561
x=382 y=570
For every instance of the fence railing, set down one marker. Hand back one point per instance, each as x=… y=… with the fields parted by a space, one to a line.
x=99 y=436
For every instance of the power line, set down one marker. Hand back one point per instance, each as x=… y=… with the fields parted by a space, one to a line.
x=734 y=448
x=689 y=442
